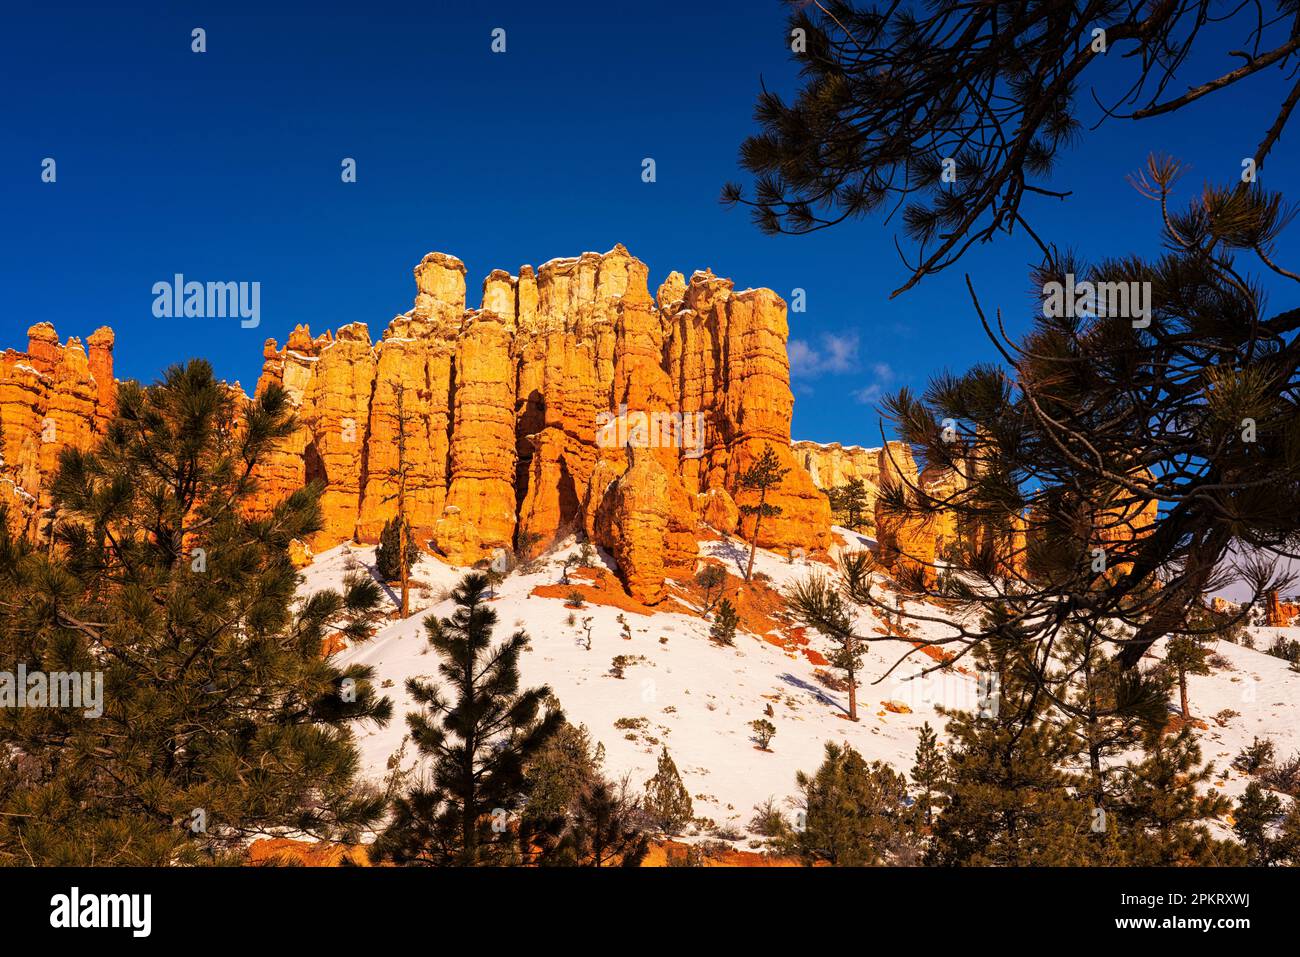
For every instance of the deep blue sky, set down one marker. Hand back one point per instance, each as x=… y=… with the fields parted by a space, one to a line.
x=225 y=166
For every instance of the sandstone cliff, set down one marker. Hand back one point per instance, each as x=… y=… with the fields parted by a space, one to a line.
x=52 y=396
x=518 y=415
x=902 y=542
x=1278 y=613
x=944 y=533
x=571 y=400
x=832 y=465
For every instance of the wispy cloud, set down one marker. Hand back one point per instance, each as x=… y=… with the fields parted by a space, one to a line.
x=883 y=378
x=834 y=353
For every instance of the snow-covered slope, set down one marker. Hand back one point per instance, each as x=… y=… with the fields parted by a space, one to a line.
x=699 y=698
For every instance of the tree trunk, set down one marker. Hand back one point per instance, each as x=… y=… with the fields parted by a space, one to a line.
x=1182 y=692
x=1171 y=605
x=1091 y=726
x=401 y=503
x=469 y=811
x=853 y=681
x=406 y=581
x=758 y=521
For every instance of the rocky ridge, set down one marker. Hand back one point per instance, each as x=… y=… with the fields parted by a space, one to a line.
x=52 y=396
x=570 y=399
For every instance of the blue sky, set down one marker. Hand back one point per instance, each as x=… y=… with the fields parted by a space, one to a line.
x=225 y=166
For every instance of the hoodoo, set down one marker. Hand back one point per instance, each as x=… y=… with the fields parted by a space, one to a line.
x=505 y=415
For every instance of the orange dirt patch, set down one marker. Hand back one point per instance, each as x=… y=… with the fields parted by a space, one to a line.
x=930 y=651
x=283 y=852
x=853 y=544
x=823 y=558
x=893 y=629
x=943 y=657
x=1177 y=722
x=661 y=851
x=796 y=640
x=332 y=645
x=598 y=587
x=814 y=656
x=761 y=608
x=897 y=707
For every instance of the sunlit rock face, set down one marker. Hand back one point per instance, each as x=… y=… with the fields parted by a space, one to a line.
x=570 y=400
x=52 y=396
x=518 y=416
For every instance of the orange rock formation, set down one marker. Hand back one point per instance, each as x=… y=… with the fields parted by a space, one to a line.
x=902 y=541
x=1278 y=613
x=832 y=465
x=516 y=417
x=51 y=397
x=518 y=414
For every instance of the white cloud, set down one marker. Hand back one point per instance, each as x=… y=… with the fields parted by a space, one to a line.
x=802 y=357
x=883 y=379
x=835 y=354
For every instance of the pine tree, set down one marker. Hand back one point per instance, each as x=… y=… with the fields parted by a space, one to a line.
x=479 y=743
x=603 y=831
x=763 y=476
x=1186 y=655
x=388 y=562
x=1162 y=815
x=860 y=135
x=556 y=777
x=1285 y=847
x=816 y=603
x=850 y=500
x=401 y=473
x=725 y=620
x=1044 y=512
x=564 y=767
x=835 y=498
x=855 y=813
x=1255 y=757
x=711 y=579
x=1007 y=801
x=928 y=772
x=220 y=717
x=1257 y=811
x=1114 y=709
x=667 y=802
x=764 y=732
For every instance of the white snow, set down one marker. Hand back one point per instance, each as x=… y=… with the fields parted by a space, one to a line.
x=698 y=698
x=835 y=445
